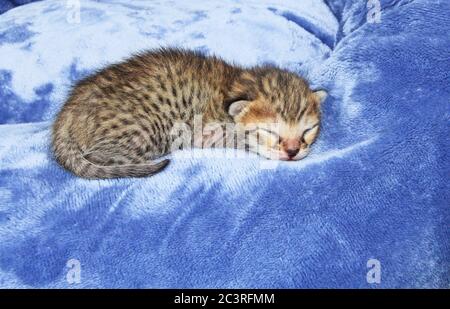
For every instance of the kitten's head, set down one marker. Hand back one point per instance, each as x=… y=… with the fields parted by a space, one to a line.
x=279 y=111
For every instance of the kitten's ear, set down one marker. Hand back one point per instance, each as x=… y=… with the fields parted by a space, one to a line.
x=236 y=107
x=321 y=95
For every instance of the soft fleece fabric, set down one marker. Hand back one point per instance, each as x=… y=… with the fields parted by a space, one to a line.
x=376 y=185
x=6 y=5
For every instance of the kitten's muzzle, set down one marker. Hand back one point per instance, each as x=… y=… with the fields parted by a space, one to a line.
x=292 y=152
x=291 y=147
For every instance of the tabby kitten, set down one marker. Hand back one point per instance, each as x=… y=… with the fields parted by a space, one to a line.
x=118 y=120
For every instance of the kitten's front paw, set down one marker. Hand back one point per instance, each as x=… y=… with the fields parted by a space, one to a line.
x=272 y=154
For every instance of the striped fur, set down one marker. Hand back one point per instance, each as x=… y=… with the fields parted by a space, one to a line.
x=118 y=121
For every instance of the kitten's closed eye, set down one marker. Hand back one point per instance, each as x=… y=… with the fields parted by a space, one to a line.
x=309 y=134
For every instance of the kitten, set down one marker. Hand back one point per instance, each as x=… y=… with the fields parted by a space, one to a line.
x=118 y=120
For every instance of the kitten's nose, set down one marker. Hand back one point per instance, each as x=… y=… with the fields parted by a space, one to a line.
x=292 y=152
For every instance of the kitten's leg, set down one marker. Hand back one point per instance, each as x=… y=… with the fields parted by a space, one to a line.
x=254 y=145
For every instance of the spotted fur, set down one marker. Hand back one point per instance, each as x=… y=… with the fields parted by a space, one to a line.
x=116 y=122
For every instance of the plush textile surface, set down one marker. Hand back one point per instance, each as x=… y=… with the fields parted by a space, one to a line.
x=6 y=5
x=375 y=186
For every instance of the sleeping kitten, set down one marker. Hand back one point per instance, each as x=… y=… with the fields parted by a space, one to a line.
x=118 y=120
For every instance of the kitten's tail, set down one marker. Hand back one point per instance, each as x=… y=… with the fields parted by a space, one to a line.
x=69 y=156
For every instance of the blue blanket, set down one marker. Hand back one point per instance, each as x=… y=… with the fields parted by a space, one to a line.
x=6 y=5
x=368 y=208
